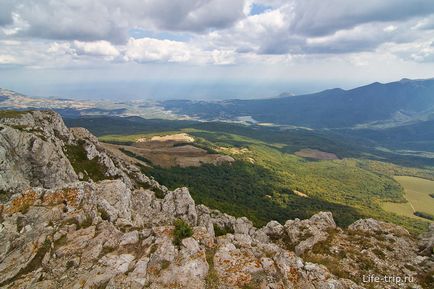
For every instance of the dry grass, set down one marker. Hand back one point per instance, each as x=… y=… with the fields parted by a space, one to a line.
x=316 y=154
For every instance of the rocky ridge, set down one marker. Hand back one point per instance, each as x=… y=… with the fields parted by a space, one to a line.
x=75 y=216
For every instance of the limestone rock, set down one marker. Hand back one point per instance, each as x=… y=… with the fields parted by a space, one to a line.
x=426 y=243
x=306 y=233
x=180 y=204
x=129 y=238
x=114 y=199
x=375 y=226
x=31 y=150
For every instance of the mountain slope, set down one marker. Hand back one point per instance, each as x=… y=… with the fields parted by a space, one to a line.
x=114 y=233
x=417 y=136
x=400 y=101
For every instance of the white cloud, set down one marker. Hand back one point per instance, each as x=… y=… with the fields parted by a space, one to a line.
x=96 y=48
x=149 y=50
x=390 y=28
x=7 y=59
x=415 y=51
x=223 y=57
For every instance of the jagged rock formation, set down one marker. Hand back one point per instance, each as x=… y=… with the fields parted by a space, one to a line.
x=96 y=222
x=31 y=151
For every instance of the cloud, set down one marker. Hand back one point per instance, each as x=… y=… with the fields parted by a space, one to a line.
x=7 y=59
x=365 y=37
x=155 y=50
x=316 y=18
x=91 y=20
x=426 y=23
x=222 y=57
x=72 y=20
x=208 y=32
x=421 y=52
x=6 y=12
x=96 y=48
x=194 y=15
x=283 y=30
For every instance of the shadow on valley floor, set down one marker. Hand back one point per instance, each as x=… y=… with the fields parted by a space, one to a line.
x=243 y=189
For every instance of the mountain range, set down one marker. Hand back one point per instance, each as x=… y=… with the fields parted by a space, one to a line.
x=398 y=115
x=374 y=105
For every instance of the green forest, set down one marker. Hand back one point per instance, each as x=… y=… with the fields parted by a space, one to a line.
x=265 y=181
x=261 y=184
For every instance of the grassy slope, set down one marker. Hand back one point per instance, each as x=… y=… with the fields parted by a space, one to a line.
x=263 y=190
x=417 y=192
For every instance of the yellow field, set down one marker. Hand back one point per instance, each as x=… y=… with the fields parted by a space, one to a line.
x=417 y=192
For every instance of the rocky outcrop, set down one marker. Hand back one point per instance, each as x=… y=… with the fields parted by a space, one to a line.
x=38 y=150
x=306 y=233
x=426 y=242
x=73 y=238
x=31 y=153
x=120 y=232
x=373 y=226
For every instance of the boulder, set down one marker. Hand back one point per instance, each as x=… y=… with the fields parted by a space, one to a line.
x=426 y=242
x=32 y=152
x=373 y=226
x=180 y=204
x=114 y=200
x=304 y=234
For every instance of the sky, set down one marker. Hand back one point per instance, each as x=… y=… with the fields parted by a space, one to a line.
x=210 y=49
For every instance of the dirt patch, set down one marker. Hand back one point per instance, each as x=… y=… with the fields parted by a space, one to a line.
x=179 y=137
x=300 y=194
x=233 y=150
x=316 y=154
x=169 y=151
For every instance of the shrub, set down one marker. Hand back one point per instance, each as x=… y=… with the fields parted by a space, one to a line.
x=219 y=231
x=212 y=279
x=136 y=156
x=91 y=169
x=12 y=113
x=159 y=193
x=424 y=215
x=182 y=231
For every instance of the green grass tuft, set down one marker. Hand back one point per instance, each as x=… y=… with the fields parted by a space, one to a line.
x=221 y=231
x=91 y=169
x=12 y=113
x=182 y=231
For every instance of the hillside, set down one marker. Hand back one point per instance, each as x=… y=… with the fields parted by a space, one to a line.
x=393 y=103
x=269 y=169
x=417 y=136
x=75 y=216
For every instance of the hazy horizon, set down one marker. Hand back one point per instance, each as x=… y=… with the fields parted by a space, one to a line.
x=151 y=90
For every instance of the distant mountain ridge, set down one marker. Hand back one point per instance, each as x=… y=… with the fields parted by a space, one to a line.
x=399 y=102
